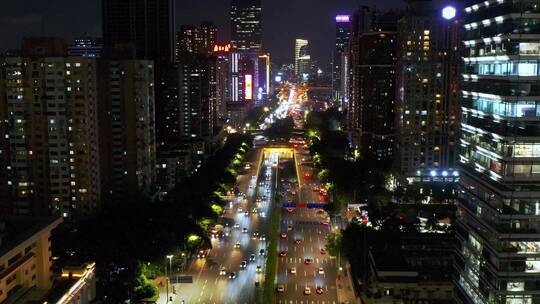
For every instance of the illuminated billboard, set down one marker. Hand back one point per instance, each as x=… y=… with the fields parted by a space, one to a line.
x=343 y=18
x=224 y=48
x=248 y=86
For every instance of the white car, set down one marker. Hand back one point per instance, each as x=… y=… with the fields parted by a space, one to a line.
x=321 y=270
x=223 y=271
x=292 y=270
x=307 y=291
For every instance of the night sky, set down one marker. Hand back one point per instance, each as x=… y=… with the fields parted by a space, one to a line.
x=283 y=21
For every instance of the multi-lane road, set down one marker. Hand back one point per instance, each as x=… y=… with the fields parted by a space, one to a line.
x=306 y=273
x=304 y=231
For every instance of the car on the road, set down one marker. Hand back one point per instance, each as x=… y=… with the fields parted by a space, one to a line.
x=283 y=235
x=237 y=245
x=262 y=252
x=236 y=226
x=252 y=257
x=244 y=230
x=240 y=209
x=292 y=270
x=298 y=241
x=289 y=228
x=290 y=210
x=232 y=275
x=321 y=270
x=246 y=213
x=308 y=261
x=243 y=265
x=280 y=288
x=319 y=290
x=201 y=254
x=307 y=290
x=325 y=222
x=254 y=210
x=263 y=237
x=223 y=271
x=323 y=251
x=256 y=234
x=283 y=253
x=259 y=269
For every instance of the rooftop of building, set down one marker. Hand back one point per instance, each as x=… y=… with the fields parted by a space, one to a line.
x=72 y=278
x=17 y=229
x=415 y=257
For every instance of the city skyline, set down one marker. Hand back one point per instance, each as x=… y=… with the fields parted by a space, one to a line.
x=207 y=152
x=71 y=20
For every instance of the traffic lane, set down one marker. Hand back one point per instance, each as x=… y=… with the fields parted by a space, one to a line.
x=307 y=275
x=224 y=254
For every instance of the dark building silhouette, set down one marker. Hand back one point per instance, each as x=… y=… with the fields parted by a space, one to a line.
x=246 y=26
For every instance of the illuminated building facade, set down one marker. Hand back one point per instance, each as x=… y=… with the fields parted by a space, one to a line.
x=52 y=157
x=339 y=63
x=302 y=58
x=246 y=26
x=427 y=94
x=86 y=47
x=499 y=190
x=263 y=80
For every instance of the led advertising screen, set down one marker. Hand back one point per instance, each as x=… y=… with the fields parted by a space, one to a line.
x=248 y=86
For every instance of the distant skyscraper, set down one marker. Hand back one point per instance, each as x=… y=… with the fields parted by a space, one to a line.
x=186 y=40
x=190 y=39
x=427 y=93
x=143 y=29
x=371 y=99
x=301 y=57
x=246 y=27
x=498 y=213
x=86 y=47
x=343 y=31
x=208 y=33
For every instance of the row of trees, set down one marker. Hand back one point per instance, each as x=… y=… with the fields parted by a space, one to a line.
x=348 y=179
x=128 y=239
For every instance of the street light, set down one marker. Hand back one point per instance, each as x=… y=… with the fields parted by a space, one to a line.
x=170 y=256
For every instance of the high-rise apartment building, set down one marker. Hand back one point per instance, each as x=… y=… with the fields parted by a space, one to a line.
x=50 y=103
x=371 y=97
x=246 y=25
x=197 y=97
x=141 y=29
x=427 y=94
x=223 y=79
x=339 y=61
x=499 y=199
x=127 y=128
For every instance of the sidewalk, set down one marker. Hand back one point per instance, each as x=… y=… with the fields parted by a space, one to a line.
x=161 y=283
x=345 y=291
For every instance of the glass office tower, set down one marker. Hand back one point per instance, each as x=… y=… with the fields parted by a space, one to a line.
x=499 y=209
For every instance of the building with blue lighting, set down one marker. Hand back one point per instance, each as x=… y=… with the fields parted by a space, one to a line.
x=499 y=192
